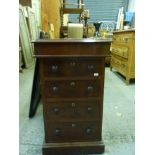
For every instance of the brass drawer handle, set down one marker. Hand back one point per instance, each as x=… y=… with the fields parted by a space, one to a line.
x=123 y=65
x=54 y=68
x=115 y=50
x=55 y=89
x=125 y=40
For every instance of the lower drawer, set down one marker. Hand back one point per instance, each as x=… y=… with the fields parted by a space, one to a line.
x=119 y=64
x=73 y=131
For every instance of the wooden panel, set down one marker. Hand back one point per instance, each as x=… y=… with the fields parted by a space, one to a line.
x=50 y=13
x=133 y=58
x=71 y=48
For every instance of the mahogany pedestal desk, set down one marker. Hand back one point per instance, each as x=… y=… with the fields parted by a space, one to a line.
x=72 y=87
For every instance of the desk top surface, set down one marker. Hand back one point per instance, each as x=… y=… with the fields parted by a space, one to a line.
x=129 y=30
x=88 y=40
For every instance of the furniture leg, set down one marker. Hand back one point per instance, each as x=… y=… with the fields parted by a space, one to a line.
x=35 y=96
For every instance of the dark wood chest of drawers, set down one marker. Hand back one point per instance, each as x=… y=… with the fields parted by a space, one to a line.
x=72 y=87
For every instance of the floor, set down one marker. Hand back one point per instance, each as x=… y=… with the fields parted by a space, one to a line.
x=119 y=116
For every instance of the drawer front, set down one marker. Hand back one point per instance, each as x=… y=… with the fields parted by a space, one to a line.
x=72 y=110
x=72 y=88
x=73 y=131
x=120 y=65
x=119 y=50
x=122 y=38
x=72 y=67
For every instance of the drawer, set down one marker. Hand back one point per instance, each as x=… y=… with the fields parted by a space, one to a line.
x=122 y=39
x=72 y=110
x=72 y=131
x=120 y=50
x=72 y=67
x=72 y=88
x=119 y=65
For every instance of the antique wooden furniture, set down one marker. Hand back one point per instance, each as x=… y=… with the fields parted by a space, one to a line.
x=26 y=2
x=123 y=53
x=32 y=24
x=72 y=87
x=50 y=13
x=69 y=8
x=24 y=38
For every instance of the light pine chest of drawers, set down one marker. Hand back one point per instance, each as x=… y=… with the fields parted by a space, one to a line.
x=72 y=87
x=123 y=53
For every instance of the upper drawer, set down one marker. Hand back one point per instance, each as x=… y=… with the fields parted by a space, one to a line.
x=122 y=38
x=72 y=67
x=71 y=47
x=120 y=50
x=72 y=110
x=72 y=88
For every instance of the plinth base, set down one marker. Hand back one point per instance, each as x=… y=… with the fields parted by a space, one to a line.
x=73 y=148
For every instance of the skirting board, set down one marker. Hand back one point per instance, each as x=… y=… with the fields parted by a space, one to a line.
x=73 y=148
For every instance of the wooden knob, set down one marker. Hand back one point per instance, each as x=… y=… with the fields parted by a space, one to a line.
x=88 y=130
x=125 y=40
x=90 y=67
x=73 y=64
x=57 y=131
x=73 y=125
x=89 y=109
x=55 y=89
x=54 y=68
x=56 y=110
x=72 y=84
x=90 y=88
x=73 y=104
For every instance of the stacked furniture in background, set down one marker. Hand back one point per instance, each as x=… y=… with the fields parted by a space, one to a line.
x=123 y=53
x=25 y=40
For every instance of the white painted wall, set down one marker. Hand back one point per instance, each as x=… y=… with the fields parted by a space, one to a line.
x=131 y=6
x=36 y=6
